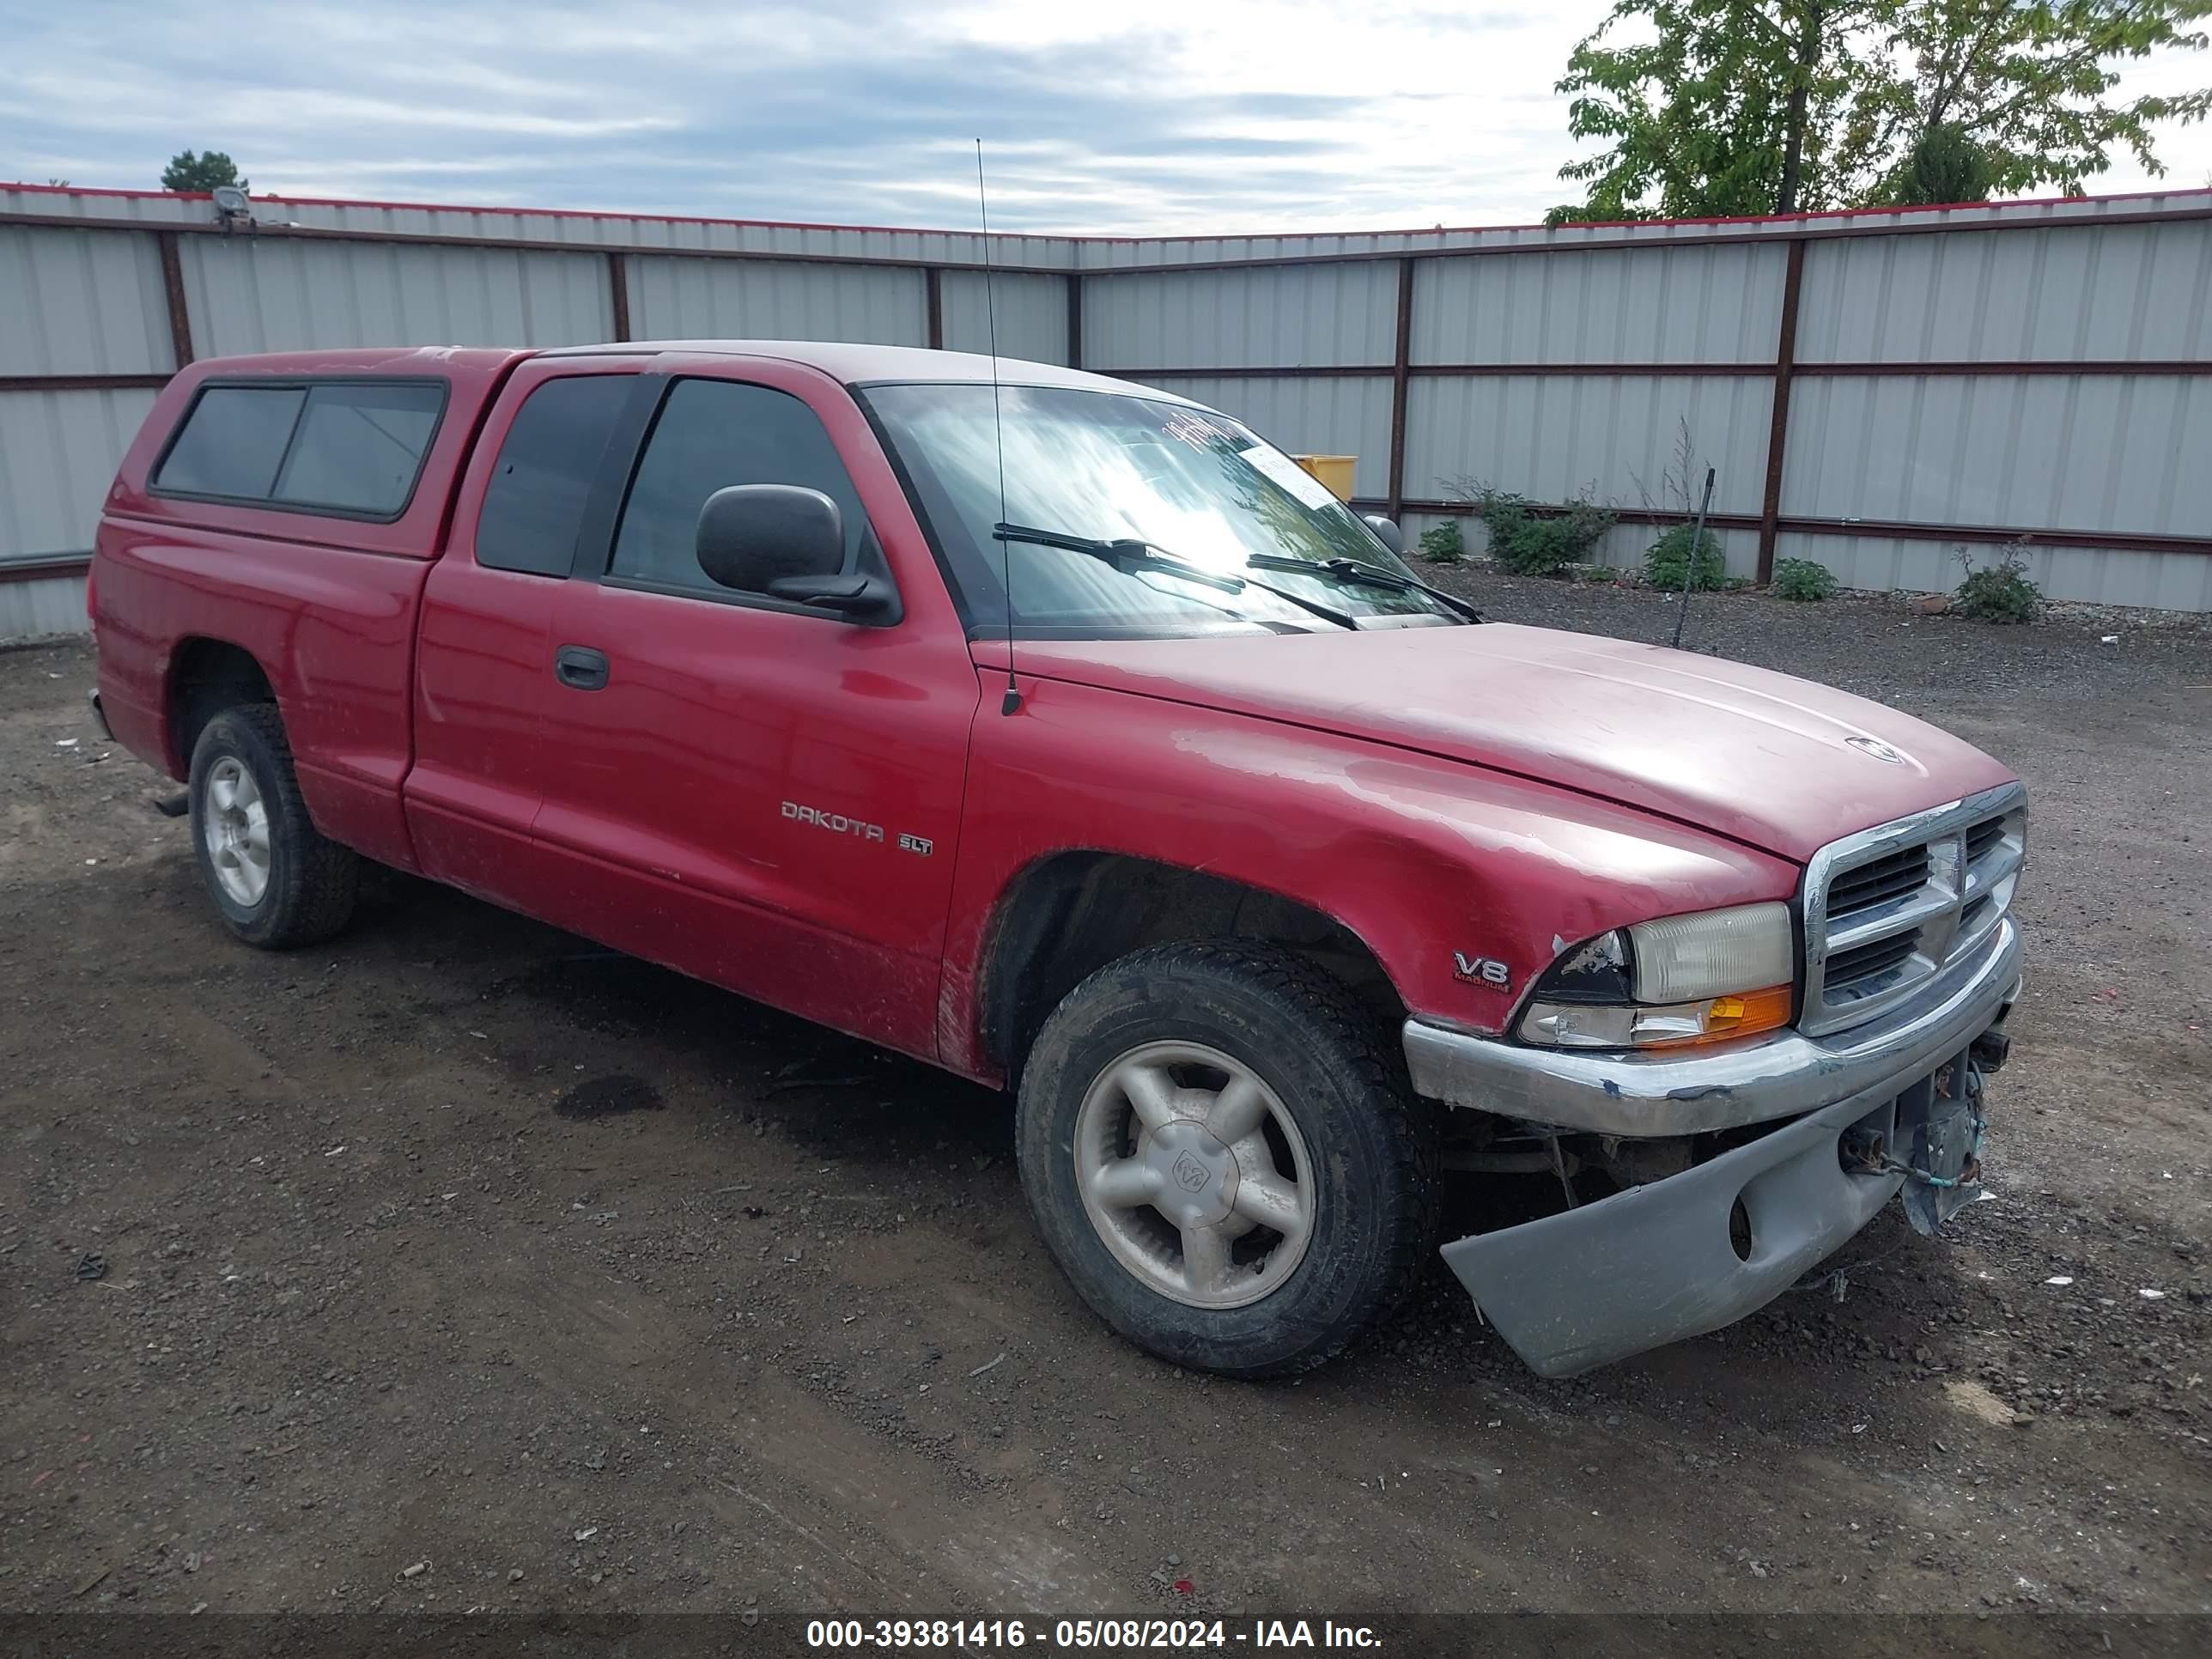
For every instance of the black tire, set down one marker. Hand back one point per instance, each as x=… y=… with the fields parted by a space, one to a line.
x=1372 y=1148
x=312 y=880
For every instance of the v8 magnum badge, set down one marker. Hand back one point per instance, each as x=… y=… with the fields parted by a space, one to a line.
x=1482 y=971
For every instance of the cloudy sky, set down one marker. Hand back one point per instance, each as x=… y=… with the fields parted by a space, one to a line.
x=1133 y=116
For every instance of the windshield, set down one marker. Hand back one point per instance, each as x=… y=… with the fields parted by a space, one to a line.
x=1195 y=486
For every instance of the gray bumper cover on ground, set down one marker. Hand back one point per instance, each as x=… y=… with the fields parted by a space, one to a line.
x=1656 y=1263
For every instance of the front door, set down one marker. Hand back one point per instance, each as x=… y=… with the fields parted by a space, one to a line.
x=759 y=794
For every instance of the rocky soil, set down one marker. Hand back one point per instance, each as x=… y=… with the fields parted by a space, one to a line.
x=463 y=1265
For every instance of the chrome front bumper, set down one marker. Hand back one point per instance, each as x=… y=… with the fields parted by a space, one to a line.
x=1784 y=1075
x=1669 y=1260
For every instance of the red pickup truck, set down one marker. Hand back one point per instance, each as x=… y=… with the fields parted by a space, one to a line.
x=1062 y=733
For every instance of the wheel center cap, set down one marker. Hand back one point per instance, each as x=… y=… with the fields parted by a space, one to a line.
x=1198 y=1174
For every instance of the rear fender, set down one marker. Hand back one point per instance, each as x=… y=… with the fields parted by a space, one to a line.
x=330 y=628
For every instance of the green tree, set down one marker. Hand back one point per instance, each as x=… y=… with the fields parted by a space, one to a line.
x=2026 y=86
x=1946 y=165
x=1714 y=108
x=202 y=171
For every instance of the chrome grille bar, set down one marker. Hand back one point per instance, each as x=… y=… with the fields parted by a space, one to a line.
x=1952 y=910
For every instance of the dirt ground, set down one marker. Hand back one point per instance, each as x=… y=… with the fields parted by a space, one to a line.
x=462 y=1244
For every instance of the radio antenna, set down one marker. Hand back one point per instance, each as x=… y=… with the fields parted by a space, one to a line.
x=1012 y=700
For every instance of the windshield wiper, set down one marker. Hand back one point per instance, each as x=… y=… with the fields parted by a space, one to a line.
x=1129 y=553
x=1368 y=576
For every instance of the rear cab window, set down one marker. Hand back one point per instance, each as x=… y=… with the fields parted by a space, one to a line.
x=548 y=462
x=340 y=449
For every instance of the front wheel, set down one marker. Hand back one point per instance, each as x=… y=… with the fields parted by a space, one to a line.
x=1223 y=1157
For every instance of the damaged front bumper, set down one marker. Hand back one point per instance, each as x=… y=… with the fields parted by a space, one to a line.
x=1697 y=1250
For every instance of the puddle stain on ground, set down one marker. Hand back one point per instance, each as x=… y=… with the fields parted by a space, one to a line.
x=608 y=1096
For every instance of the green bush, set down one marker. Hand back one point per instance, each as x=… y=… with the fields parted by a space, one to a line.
x=1539 y=542
x=1802 y=580
x=1999 y=594
x=1441 y=544
x=1665 y=563
x=1504 y=517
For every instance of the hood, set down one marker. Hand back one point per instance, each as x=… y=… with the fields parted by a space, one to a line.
x=1778 y=764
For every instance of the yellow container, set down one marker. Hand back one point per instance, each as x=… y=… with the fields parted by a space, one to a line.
x=1334 y=471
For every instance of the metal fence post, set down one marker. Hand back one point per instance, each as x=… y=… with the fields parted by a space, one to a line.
x=1402 y=364
x=1778 y=433
x=618 y=295
x=173 y=284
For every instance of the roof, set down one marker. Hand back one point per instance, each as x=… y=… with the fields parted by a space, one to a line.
x=858 y=364
x=423 y=360
x=851 y=363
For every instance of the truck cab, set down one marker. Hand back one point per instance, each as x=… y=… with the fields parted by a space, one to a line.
x=1062 y=733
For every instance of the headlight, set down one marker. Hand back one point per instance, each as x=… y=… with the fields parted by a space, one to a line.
x=1684 y=980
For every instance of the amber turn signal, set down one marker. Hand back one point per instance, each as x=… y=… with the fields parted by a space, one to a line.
x=1732 y=1017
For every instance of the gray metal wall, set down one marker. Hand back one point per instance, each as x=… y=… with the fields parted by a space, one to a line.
x=246 y=294
x=673 y=299
x=1954 y=381
x=1880 y=392
x=1032 y=314
x=74 y=304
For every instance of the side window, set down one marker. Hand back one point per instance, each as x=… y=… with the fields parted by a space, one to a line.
x=352 y=448
x=358 y=448
x=232 y=441
x=713 y=434
x=543 y=473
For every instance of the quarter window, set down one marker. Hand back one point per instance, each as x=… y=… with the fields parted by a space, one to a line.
x=544 y=471
x=711 y=434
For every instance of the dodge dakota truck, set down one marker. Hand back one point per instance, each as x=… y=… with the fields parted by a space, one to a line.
x=1062 y=733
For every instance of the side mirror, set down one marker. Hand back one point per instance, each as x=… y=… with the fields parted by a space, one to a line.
x=787 y=542
x=1387 y=532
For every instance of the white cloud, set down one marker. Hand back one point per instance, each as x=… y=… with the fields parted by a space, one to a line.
x=1144 y=115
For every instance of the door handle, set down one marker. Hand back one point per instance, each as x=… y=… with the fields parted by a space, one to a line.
x=580 y=668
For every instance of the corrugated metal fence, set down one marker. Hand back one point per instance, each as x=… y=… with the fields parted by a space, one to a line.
x=1881 y=391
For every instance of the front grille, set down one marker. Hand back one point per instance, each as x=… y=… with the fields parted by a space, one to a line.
x=1878 y=883
x=1888 y=909
x=1865 y=962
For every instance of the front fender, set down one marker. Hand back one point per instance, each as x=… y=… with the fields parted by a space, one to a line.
x=1442 y=869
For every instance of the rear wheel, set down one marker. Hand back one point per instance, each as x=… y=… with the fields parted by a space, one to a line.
x=276 y=880
x=1221 y=1152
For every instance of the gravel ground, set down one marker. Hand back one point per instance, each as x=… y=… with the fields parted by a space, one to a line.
x=1872 y=644
x=461 y=1244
